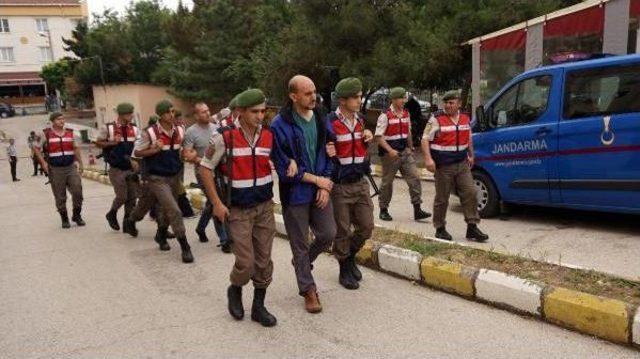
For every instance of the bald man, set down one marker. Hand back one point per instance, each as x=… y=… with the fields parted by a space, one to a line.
x=300 y=137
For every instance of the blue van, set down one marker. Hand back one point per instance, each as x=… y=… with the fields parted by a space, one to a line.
x=565 y=135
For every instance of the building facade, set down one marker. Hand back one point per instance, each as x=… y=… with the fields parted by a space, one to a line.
x=31 y=33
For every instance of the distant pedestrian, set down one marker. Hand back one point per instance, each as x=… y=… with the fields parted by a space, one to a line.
x=12 y=154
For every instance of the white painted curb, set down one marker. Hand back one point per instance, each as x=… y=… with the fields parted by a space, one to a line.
x=403 y=262
x=635 y=330
x=501 y=288
x=280 y=224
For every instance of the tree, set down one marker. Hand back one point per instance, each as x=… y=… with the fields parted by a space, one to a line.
x=55 y=73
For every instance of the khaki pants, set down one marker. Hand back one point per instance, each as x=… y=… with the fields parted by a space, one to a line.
x=352 y=205
x=406 y=163
x=125 y=189
x=252 y=231
x=144 y=204
x=455 y=176
x=63 y=179
x=164 y=190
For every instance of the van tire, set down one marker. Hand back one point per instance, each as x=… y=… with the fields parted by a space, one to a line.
x=488 y=196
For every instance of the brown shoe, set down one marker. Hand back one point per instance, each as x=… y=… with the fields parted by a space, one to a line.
x=312 y=302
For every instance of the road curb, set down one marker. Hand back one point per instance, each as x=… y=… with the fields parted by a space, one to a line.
x=402 y=262
x=606 y=318
x=586 y=313
x=448 y=276
x=509 y=291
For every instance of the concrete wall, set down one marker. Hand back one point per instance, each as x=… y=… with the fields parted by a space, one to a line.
x=143 y=97
x=26 y=42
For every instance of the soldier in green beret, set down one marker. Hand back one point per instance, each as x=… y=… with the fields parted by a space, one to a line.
x=352 y=205
x=61 y=152
x=160 y=148
x=239 y=157
x=395 y=148
x=448 y=152
x=116 y=139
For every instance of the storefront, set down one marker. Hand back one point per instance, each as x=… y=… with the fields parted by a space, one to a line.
x=22 y=88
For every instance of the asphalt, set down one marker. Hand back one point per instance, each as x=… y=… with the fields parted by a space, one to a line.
x=90 y=292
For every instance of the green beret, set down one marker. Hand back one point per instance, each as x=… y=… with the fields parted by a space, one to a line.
x=54 y=115
x=397 y=92
x=451 y=95
x=124 y=108
x=153 y=120
x=178 y=113
x=348 y=87
x=163 y=107
x=234 y=103
x=250 y=98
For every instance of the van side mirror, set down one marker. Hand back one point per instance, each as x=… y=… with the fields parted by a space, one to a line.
x=481 y=118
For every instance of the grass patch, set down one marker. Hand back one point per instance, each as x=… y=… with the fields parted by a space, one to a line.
x=587 y=281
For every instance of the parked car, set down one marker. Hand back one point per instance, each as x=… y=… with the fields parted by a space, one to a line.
x=6 y=110
x=565 y=135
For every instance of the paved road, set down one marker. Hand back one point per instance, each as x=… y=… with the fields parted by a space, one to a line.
x=93 y=293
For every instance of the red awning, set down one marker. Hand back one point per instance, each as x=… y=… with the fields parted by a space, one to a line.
x=20 y=78
x=634 y=8
x=584 y=22
x=510 y=41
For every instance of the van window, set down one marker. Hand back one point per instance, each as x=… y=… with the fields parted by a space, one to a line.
x=522 y=103
x=602 y=92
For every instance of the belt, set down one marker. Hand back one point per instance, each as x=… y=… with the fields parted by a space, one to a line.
x=350 y=180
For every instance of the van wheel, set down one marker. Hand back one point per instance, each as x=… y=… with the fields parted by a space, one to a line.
x=488 y=197
x=4 y=115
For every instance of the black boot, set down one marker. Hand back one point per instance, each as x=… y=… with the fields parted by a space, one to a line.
x=234 y=295
x=384 y=215
x=202 y=235
x=353 y=267
x=187 y=257
x=129 y=226
x=346 y=277
x=126 y=215
x=77 y=217
x=161 y=239
x=225 y=247
x=185 y=206
x=419 y=214
x=259 y=313
x=475 y=234
x=112 y=219
x=65 y=219
x=443 y=234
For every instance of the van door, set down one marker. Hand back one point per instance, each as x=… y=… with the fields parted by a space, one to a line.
x=522 y=139
x=599 y=143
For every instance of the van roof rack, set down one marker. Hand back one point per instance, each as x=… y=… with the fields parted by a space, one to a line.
x=574 y=56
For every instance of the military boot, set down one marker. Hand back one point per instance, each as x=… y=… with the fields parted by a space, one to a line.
x=65 y=219
x=384 y=215
x=234 y=295
x=475 y=234
x=129 y=226
x=419 y=214
x=259 y=313
x=77 y=217
x=353 y=267
x=187 y=257
x=161 y=239
x=442 y=233
x=346 y=277
x=112 y=219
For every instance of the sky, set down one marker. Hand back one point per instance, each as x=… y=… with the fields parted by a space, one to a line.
x=98 y=6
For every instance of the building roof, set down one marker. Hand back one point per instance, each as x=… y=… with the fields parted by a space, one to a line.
x=39 y=2
x=20 y=78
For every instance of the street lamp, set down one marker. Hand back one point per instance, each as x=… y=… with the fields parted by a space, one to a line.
x=47 y=34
